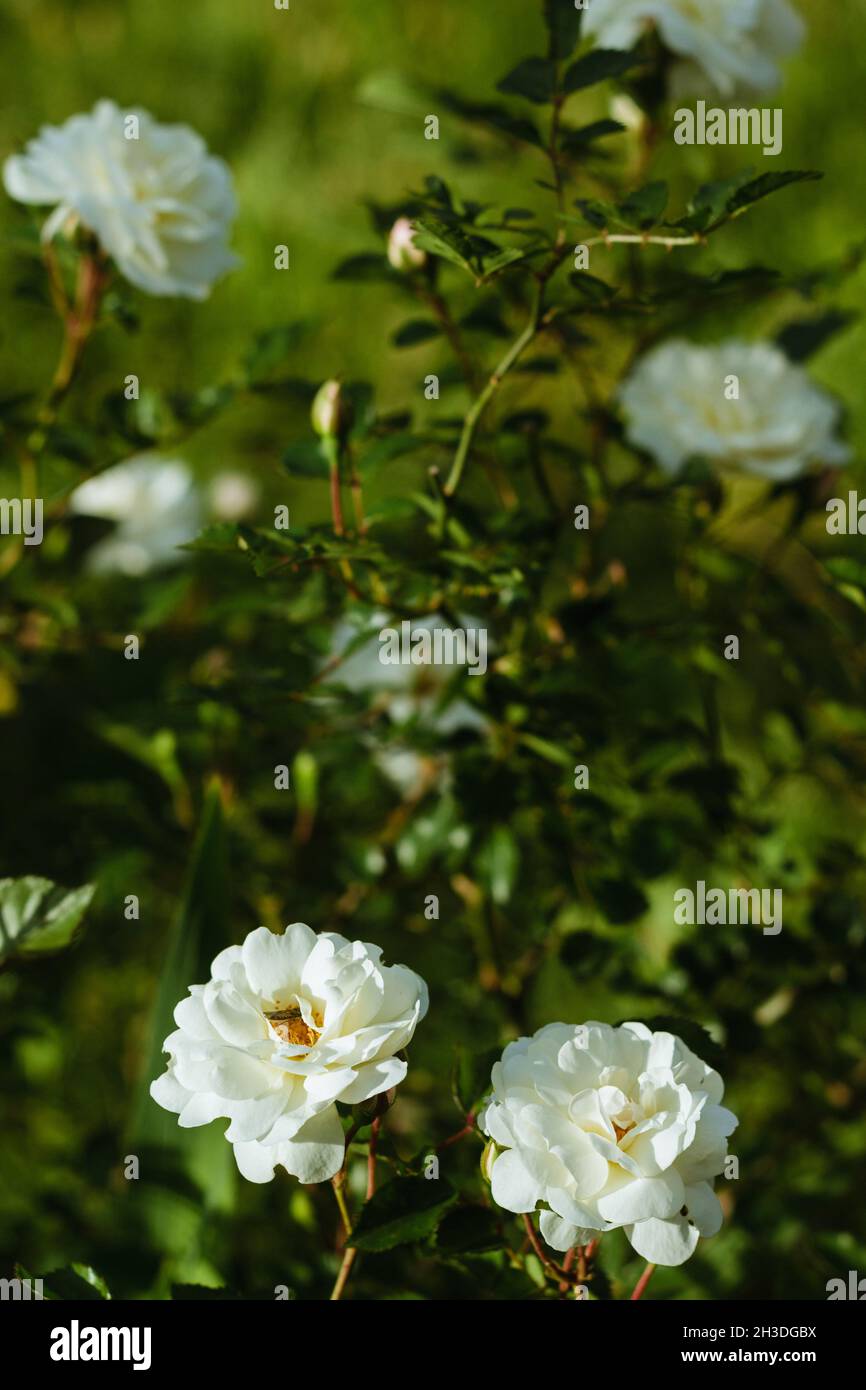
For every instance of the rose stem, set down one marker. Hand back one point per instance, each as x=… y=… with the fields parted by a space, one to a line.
x=461 y=1133
x=642 y=1282
x=350 y=1252
x=371 y=1156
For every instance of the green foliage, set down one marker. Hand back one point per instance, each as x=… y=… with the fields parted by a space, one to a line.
x=404 y=1210
x=155 y=777
x=37 y=916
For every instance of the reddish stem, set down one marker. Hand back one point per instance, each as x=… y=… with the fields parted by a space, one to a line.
x=642 y=1282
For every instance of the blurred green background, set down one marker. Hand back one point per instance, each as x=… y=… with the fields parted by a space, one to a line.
x=107 y=763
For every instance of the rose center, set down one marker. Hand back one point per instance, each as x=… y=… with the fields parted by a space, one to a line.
x=289 y=1026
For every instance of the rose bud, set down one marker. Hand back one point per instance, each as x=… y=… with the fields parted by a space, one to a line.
x=403 y=254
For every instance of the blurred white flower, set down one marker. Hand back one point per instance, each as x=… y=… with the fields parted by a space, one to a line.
x=723 y=45
x=159 y=204
x=403 y=254
x=232 y=496
x=607 y=1127
x=677 y=408
x=408 y=694
x=286 y=1027
x=157 y=509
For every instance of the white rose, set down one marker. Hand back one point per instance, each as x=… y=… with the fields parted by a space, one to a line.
x=156 y=505
x=159 y=204
x=286 y=1027
x=734 y=45
x=609 y=1127
x=676 y=408
x=411 y=695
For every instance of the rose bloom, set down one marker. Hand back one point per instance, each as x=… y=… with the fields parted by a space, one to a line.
x=418 y=698
x=676 y=409
x=156 y=506
x=158 y=204
x=724 y=45
x=608 y=1127
x=286 y=1027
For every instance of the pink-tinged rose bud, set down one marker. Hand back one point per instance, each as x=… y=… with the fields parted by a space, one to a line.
x=403 y=254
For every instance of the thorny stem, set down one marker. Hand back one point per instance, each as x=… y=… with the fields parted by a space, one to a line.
x=642 y=1283
x=468 y=1128
x=643 y=239
x=550 y=1265
x=79 y=321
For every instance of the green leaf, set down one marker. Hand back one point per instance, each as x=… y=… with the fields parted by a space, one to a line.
x=575 y=141
x=199 y=932
x=402 y=1211
x=597 y=213
x=76 y=1282
x=598 y=66
x=447 y=241
x=305 y=459
x=469 y=1230
x=715 y=202
x=494 y=264
x=37 y=915
x=416 y=331
x=644 y=207
x=470 y=1078
x=591 y=287
x=491 y=114
x=534 y=79
x=393 y=446
x=803 y=338
x=765 y=184
x=364 y=267
x=499 y=861
x=563 y=22
x=269 y=350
